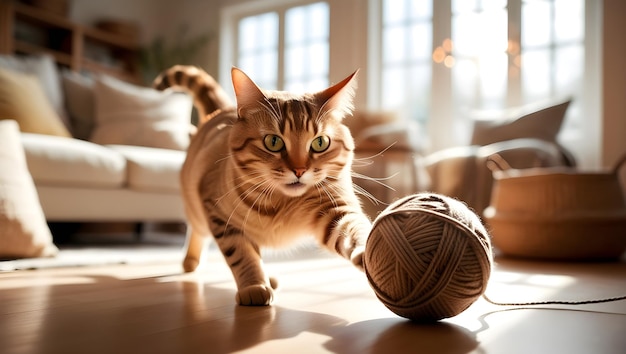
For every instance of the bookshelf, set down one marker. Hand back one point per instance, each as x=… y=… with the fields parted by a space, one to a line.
x=25 y=29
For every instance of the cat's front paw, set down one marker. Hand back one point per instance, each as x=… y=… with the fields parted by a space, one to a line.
x=190 y=264
x=357 y=257
x=273 y=283
x=255 y=295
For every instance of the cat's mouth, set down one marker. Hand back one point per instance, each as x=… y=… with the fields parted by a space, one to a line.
x=296 y=184
x=295 y=189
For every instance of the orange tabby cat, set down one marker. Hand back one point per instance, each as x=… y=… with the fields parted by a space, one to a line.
x=275 y=169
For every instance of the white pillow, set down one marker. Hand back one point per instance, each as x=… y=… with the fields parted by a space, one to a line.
x=44 y=68
x=127 y=114
x=23 y=100
x=540 y=121
x=23 y=228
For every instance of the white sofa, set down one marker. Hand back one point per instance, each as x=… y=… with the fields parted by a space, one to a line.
x=98 y=149
x=49 y=178
x=82 y=181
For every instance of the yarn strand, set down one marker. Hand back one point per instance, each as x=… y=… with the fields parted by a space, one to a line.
x=556 y=302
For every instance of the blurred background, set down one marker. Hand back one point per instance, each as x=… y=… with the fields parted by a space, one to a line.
x=433 y=64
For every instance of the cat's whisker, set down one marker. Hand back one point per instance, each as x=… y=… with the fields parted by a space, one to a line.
x=324 y=185
x=245 y=195
x=269 y=107
x=268 y=195
x=247 y=179
x=265 y=188
x=225 y=158
x=318 y=186
x=362 y=163
x=262 y=194
x=362 y=191
x=369 y=196
x=247 y=216
x=377 y=180
x=277 y=111
x=322 y=116
x=378 y=154
x=280 y=112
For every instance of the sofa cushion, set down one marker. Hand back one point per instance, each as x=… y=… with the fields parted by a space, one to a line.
x=131 y=115
x=73 y=162
x=23 y=99
x=23 y=228
x=44 y=68
x=151 y=168
x=539 y=121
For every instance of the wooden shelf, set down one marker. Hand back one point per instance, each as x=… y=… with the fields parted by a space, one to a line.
x=33 y=49
x=109 y=38
x=26 y=29
x=44 y=17
x=120 y=73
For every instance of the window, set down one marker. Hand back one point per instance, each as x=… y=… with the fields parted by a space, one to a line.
x=286 y=49
x=497 y=54
x=552 y=47
x=306 y=47
x=479 y=48
x=406 y=57
x=258 y=48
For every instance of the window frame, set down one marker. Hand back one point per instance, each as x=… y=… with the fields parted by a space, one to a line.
x=231 y=15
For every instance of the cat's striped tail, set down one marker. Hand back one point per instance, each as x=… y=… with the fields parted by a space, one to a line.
x=208 y=96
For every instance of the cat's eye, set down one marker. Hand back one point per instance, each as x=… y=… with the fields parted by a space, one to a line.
x=320 y=144
x=273 y=143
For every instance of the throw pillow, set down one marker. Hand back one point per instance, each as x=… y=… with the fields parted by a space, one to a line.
x=22 y=99
x=80 y=103
x=525 y=122
x=44 y=68
x=23 y=228
x=127 y=114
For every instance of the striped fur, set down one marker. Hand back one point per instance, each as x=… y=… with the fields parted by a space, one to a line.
x=247 y=196
x=208 y=95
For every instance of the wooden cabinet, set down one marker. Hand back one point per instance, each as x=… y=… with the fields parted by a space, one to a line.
x=26 y=29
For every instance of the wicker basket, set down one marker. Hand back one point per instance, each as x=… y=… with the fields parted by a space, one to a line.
x=557 y=213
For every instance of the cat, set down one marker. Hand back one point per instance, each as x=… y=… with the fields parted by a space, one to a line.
x=266 y=173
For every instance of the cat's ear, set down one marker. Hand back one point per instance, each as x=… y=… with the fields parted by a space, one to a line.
x=249 y=95
x=337 y=100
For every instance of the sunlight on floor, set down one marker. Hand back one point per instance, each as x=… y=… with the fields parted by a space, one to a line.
x=305 y=340
x=540 y=280
x=497 y=322
x=41 y=281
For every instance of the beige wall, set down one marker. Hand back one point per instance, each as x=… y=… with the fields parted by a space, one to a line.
x=145 y=13
x=614 y=84
x=202 y=18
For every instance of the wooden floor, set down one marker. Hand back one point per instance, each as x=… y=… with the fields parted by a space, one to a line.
x=324 y=306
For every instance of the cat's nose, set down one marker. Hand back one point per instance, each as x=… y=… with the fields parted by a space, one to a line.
x=299 y=171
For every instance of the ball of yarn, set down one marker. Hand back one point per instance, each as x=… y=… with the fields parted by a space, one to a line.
x=428 y=257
